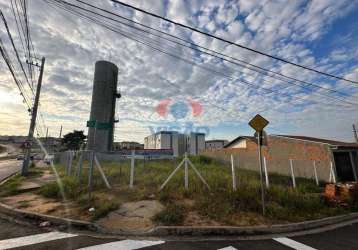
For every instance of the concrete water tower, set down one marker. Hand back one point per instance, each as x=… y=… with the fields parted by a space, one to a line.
x=104 y=95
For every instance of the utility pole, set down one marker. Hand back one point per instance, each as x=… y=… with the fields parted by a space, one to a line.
x=60 y=132
x=25 y=165
x=46 y=140
x=355 y=133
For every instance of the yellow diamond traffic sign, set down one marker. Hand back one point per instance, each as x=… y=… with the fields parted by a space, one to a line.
x=258 y=123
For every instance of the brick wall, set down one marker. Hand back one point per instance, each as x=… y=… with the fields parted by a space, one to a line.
x=277 y=153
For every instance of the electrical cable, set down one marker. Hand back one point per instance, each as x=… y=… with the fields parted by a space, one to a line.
x=257 y=69
x=234 y=44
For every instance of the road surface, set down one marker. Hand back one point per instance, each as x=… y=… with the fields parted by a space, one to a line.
x=10 y=150
x=14 y=236
x=9 y=167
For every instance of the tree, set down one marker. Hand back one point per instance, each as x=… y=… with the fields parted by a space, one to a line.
x=73 y=140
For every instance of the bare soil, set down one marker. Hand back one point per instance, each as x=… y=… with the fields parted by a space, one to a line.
x=132 y=216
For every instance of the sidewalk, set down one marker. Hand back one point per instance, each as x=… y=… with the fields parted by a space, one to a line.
x=8 y=168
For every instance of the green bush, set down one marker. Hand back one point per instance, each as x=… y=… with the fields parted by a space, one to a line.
x=173 y=214
x=164 y=196
x=202 y=159
x=11 y=186
x=103 y=207
x=50 y=190
x=53 y=190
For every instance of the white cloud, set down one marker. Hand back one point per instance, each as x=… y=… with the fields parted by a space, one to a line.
x=229 y=93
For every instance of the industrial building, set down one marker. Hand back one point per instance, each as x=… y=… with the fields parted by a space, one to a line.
x=303 y=151
x=179 y=143
x=104 y=95
x=215 y=144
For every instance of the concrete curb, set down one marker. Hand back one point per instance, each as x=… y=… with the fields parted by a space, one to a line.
x=251 y=231
x=180 y=230
x=56 y=221
x=160 y=231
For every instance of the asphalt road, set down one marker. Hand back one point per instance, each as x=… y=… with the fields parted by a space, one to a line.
x=11 y=150
x=345 y=238
x=9 y=167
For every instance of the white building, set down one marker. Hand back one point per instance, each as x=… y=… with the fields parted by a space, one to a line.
x=195 y=143
x=215 y=144
x=128 y=145
x=179 y=143
x=163 y=140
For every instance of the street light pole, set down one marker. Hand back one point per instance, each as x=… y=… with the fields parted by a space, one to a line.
x=25 y=165
x=259 y=140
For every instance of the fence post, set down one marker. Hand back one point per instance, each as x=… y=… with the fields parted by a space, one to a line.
x=71 y=154
x=172 y=174
x=67 y=161
x=90 y=174
x=102 y=173
x=132 y=170
x=332 y=175
x=266 y=174
x=79 y=167
x=292 y=174
x=186 y=174
x=233 y=173
x=315 y=172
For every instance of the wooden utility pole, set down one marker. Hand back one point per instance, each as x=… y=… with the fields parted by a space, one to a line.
x=25 y=165
x=46 y=137
x=60 y=132
x=355 y=133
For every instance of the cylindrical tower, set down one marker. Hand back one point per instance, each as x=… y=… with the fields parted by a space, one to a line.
x=101 y=123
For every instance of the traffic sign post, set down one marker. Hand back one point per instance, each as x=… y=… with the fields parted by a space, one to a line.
x=258 y=123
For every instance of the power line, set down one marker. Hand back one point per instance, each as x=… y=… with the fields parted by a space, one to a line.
x=131 y=38
x=16 y=52
x=195 y=45
x=23 y=29
x=256 y=68
x=11 y=69
x=140 y=41
x=232 y=43
x=18 y=27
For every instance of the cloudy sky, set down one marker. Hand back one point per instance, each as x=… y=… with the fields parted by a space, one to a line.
x=168 y=86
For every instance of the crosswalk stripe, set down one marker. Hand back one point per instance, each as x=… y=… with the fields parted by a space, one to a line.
x=33 y=239
x=228 y=248
x=293 y=244
x=124 y=245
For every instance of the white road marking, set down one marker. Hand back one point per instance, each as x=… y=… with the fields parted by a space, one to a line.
x=33 y=239
x=228 y=248
x=124 y=245
x=293 y=244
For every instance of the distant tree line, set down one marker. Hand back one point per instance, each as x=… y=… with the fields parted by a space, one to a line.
x=73 y=140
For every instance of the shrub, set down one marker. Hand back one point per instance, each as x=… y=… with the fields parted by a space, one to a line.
x=164 y=196
x=202 y=159
x=215 y=206
x=10 y=187
x=103 y=207
x=50 y=190
x=173 y=214
x=53 y=190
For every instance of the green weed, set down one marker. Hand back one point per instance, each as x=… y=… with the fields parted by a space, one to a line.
x=173 y=214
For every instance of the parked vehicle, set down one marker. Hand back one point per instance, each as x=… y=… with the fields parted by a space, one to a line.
x=20 y=157
x=48 y=159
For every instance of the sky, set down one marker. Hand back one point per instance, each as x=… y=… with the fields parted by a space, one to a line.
x=190 y=90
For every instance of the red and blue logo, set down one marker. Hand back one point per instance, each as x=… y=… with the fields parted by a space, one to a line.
x=179 y=109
